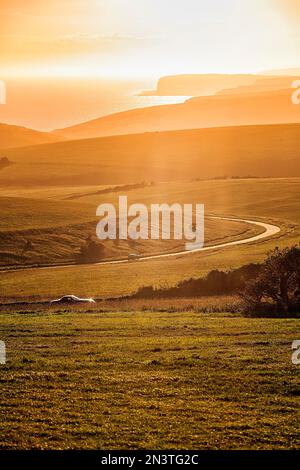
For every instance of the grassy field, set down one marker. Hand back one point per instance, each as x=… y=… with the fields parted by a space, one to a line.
x=147 y=380
x=141 y=374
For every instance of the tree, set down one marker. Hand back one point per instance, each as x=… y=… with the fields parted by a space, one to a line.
x=28 y=246
x=90 y=251
x=278 y=282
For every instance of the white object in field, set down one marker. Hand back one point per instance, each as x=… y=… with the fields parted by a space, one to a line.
x=72 y=299
x=133 y=256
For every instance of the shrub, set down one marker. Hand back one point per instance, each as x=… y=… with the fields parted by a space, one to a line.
x=90 y=251
x=277 y=286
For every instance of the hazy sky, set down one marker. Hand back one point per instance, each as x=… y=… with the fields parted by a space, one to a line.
x=139 y=40
x=147 y=38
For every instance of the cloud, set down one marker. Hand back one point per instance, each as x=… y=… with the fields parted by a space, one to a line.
x=20 y=48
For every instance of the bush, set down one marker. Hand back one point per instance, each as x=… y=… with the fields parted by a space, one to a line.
x=90 y=252
x=215 y=283
x=277 y=287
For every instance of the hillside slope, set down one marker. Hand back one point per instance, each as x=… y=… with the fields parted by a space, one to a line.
x=203 y=153
x=272 y=107
x=16 y=136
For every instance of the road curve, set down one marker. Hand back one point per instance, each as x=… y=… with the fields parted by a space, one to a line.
x=270 y=230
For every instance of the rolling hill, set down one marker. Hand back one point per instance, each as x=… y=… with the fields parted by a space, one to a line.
x=16 y=136
x=230 y=109
x=262 y=85
x=261 y=151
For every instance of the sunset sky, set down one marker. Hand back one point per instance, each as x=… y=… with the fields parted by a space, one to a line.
x=146 y=38
x=67 y=61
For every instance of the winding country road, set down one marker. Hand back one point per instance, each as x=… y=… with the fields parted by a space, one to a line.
x=270 y=230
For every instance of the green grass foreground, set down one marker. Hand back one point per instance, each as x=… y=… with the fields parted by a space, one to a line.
x=148 y=380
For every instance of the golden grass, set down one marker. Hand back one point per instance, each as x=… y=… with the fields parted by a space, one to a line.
x=147 y=381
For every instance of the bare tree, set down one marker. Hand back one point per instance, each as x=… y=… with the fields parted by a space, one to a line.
x=278 y=282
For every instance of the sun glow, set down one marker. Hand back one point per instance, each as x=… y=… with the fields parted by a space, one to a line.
x=151 y=38
x=58 y=53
